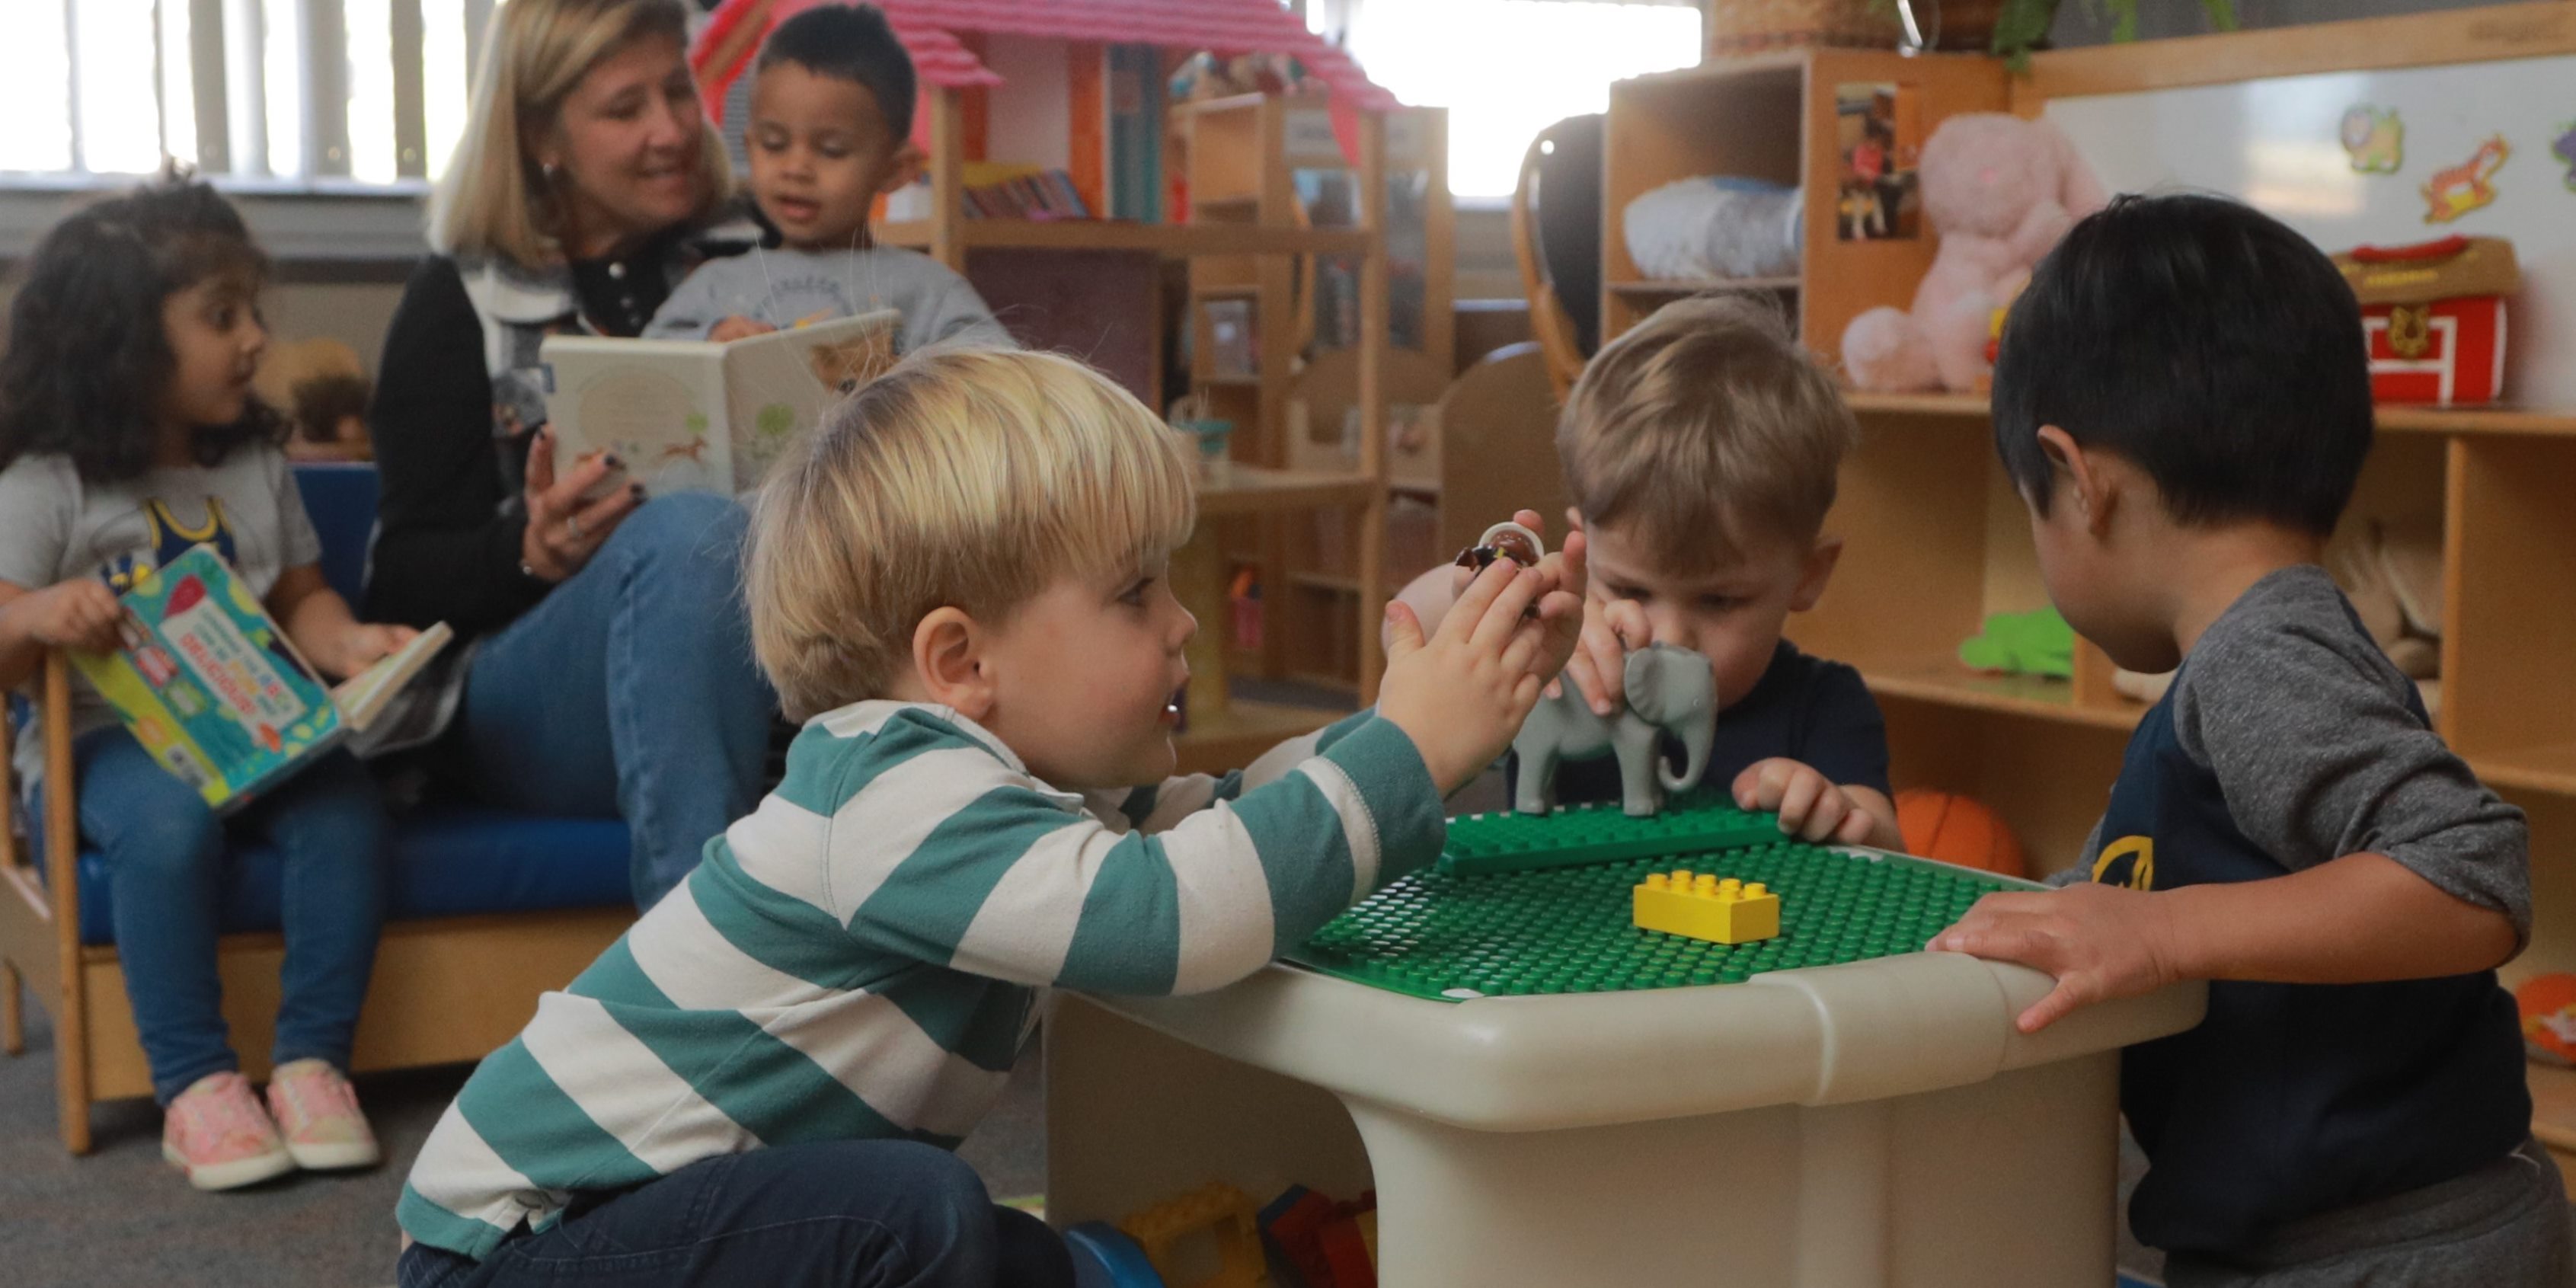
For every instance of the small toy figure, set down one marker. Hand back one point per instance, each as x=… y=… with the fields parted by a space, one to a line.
x=2374 y=138
x=1503 y=541
x=1666 y=688
x=2467 y=186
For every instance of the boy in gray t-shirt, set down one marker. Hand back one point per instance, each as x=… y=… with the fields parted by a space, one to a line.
x=2182 y=401
x=831 y=119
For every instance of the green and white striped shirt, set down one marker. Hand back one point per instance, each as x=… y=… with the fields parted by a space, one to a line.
x=858 y=958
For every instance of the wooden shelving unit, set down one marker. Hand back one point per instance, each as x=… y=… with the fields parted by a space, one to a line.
x=1243 y=158
x=1936 y=540
x=1249 y=256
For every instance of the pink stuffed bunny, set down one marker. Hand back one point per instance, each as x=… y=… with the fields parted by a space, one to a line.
x=2001 y=191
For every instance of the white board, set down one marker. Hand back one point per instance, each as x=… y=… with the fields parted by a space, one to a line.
x=2277 y=145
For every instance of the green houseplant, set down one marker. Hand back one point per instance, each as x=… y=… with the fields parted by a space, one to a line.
x=2022 y=24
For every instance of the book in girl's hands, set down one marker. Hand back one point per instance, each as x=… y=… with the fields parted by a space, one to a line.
x=211 y=686
x=699 y=416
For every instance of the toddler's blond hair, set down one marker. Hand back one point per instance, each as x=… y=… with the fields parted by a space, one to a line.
x=964 y=477
x=1705 y=429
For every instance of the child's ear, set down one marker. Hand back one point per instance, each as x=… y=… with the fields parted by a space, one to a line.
x=1828 y=551
x=947 y=659
x=2088 y=487
x=906 y=165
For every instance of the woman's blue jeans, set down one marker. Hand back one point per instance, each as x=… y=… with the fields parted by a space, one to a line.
x=165 y=863
x=629 y=691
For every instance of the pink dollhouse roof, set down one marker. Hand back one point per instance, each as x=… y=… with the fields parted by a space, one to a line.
x=928 y=30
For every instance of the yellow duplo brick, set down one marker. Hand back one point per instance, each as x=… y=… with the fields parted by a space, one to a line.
x=1701 y=906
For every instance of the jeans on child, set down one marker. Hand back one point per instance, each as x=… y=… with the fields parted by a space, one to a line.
x=165 y=864
x=879 y=1213
x=630 y=692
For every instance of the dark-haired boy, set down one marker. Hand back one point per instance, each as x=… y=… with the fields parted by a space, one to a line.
x=830 y=131
x=2183 y=402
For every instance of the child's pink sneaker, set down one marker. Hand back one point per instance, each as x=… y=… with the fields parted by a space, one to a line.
x=317 y=1111
x=217 y=1133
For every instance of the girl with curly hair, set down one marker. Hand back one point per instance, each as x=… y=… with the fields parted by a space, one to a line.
x=128 y=433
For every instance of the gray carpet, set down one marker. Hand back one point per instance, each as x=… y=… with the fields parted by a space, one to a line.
x=121 y=1216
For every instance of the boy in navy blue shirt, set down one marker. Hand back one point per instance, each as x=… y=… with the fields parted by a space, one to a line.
x=2183 y=402
x=1700 y=449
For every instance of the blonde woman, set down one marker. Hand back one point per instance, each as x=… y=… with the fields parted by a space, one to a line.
x=611 y=671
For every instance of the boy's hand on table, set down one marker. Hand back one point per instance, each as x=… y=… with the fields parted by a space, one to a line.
x=2101 y=942
x=1461 y=694
x=1612 y=628
x=1811 y=807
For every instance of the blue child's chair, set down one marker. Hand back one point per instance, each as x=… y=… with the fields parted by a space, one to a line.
x=488 y=908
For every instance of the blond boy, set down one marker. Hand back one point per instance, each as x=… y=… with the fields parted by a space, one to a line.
x=959 y=584
x=1700 y=450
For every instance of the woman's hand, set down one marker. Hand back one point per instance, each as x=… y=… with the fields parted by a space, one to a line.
x=564 y=530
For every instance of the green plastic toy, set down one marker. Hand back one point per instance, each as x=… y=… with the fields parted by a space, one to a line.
x=1699 y=822
x=2035 y=643
x=1568 y=929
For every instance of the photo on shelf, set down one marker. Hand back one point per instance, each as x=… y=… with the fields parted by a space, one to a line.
x=1879 y=130
x=1232 y=349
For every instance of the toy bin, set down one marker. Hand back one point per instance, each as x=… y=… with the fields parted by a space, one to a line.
x=2433 y=317
x=1542 y=1094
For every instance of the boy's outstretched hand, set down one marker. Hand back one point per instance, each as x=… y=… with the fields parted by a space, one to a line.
x=1462 y=694
x=1811 y=807
x=2101 y=942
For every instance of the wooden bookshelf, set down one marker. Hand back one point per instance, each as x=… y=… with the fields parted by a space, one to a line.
x=1179 y=240
x=1242 y=158
x=1247 y=249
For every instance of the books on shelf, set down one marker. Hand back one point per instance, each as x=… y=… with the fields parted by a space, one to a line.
x=994 y=190
x=207 y=681
x=699 y=416
x=1134 y=137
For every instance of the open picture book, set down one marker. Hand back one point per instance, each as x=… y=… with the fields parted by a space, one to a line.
x=210 y=685
x=699 y=416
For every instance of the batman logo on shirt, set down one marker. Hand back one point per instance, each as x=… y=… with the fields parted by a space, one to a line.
x=2129 y=861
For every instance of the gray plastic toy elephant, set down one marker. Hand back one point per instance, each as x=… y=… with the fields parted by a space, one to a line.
x=1667 y=688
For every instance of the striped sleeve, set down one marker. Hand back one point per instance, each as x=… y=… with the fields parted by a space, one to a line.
x=1159 y=808
x=1007 y=882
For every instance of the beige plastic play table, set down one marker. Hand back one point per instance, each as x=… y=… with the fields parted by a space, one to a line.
x=1878 y=1122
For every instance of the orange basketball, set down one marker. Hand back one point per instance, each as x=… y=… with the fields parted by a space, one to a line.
x=2548 y=1004
x=1957 y=829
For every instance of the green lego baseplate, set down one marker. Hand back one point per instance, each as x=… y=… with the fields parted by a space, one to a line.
x=1695 y=823
x=1453 y=937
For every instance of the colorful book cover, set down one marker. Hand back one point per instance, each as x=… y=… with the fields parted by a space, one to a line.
x=209 y=684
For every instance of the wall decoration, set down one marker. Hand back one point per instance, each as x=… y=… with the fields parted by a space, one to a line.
x=2467 y=186
x=2374 y=138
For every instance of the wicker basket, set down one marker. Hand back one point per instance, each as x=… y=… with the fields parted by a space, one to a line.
x=1738 y=27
